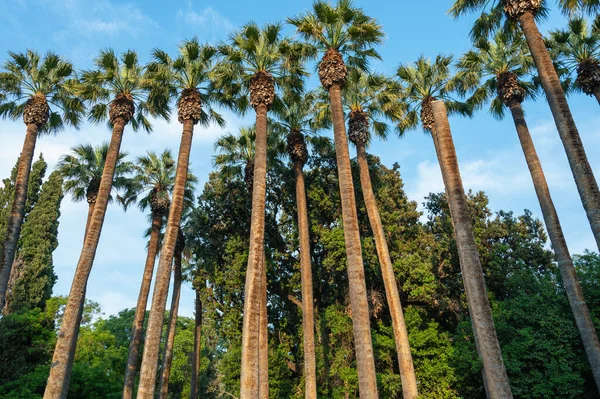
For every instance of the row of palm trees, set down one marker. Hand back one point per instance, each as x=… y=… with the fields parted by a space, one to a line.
x=260 y=68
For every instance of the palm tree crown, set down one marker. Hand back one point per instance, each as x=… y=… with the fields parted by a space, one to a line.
x=342 y=27
x=154 y=181
x=504 y=14
x=189 y=77
x=257 y=61
x=423 y=82
x=119 y=88
x=577 y=49
x=82 y=171
x=500 y=71
x=40 y=90
x=370 y=100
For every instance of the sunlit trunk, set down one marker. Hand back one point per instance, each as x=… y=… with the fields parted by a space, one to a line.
x=57 y=386
x=359 y=304
x=140 y=309
x=486 y=340
x=249 y=380
x=161 y=285
x=405 y=362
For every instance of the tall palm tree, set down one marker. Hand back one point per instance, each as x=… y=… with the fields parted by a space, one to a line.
x=296 y=118
x=152 y=187
x=423 y=84
x=498 y=70
x=82 y=171
x=346 y=36
x=39 y=91
x=187 y=77
x=255 y=61
x=508 y=14
x=577 y=49
x=196 y=284
x=236 y=158
x=371 y=100
x=119 y=93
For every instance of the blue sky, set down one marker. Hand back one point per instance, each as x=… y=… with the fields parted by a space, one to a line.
x=489 y=153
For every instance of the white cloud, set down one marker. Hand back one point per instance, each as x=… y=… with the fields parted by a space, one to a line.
x=207 y=19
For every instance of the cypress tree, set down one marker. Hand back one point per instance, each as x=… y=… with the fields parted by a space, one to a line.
x=33 y=276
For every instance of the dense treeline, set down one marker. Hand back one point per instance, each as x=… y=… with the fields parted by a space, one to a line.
x=543 y=355
x=314 y=274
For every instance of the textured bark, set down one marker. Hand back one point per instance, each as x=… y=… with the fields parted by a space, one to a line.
x=263 y=339
x=17 y=212
x=163 y=273
x=249 y=380
x=197 y=348
x=559 y=245
x=171 y=328
x=359 y=304
x=486 y=340
x=580 y=167
x=308 y=317
x=91 y=206
x=405 y=362
x=140 y=309
x=62 y=360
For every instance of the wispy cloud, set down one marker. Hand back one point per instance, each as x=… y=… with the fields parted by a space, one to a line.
x=208 y=20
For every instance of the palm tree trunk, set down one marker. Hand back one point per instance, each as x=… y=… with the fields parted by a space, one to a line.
x=405 y=362
x=359 y=304
x=91 y=206
x=163 y=273
x=64 y=352
x=197 y=348
x=486 y=341
x=263 y=339
x=580 y=167
x=17 y=212
x=597 y=94
x=140 y=309
x=171 y=327
x=568 y=273
x=249 y=380
x=308 y=317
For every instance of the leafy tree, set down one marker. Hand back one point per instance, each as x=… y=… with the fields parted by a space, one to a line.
x=39 y=90
x=33 y=277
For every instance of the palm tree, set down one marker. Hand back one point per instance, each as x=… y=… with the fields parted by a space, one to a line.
x=424 y=84
x=82 y=171
x=510 y=13
x=197 y=338
x=345 y=36
x=370 y=100
x=254 y=62
x=39 y=91
x=153 y=185
x=577 y=49
x=503 y=65
x=119 y=92
x=296 y=118
x=236 y=159
x=187 y=76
